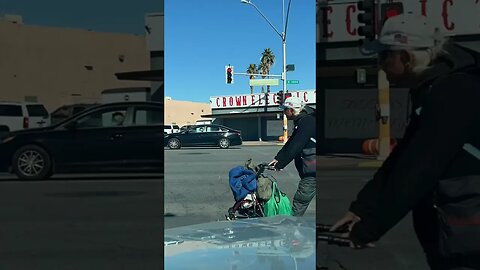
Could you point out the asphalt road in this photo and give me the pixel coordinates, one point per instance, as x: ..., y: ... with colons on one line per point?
x: 81, y: 222
x: 196, y: 182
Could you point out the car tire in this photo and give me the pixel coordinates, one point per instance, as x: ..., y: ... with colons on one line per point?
x: 224, y: 143
x: 174, y: 143
x: 32, y: 162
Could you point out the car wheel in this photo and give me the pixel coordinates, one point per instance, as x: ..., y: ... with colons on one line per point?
x: 224, y: 143
x: 174, y: 143
x: 32, y: 162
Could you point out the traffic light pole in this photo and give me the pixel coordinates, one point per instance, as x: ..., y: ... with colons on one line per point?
x: 283, y: 36
x: 384, y: 102
x: 284, y: 78
x: 384, y: 121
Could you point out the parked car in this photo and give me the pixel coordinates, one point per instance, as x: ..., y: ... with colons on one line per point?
x: 23, y: 115
x: 204, y: 135
x: 67, y: 111
x: 115, y: 137
x: 172, y: 128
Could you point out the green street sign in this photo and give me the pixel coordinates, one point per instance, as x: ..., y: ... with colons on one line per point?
x: 293, y: 81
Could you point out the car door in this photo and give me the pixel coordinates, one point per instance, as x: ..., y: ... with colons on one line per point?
x: 93, y: 140
x: 142, y: 144
x: 194, y: 136
x: 212, y: 135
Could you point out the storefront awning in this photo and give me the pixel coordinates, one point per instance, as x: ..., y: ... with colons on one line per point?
x: 147, y: 75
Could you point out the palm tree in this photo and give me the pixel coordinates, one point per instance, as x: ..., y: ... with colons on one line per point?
x: 252, y: 69
x: 268, y: 58
x: 263, y: 70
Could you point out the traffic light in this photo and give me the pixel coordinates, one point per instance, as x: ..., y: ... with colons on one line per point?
x: 229, y: 74
x: 367, y: 18
x: 279, y: 98
x: 391, y: 10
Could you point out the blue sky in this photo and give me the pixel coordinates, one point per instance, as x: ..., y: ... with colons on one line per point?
x: 201, y: 37
x: 97, y: 15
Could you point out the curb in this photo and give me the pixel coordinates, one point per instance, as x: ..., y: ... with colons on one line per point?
x: 370, y: 164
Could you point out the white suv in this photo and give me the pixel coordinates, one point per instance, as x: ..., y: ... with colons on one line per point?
x: 23, y: 115
x: 169, y: 129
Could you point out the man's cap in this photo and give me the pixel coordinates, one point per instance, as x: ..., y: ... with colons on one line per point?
x: 406, y: 30
x: 292, y: 102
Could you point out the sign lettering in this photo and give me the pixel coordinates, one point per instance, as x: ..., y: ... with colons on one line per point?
x: 258, y: 100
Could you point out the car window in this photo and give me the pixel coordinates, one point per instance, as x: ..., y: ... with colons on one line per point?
x: 11, y: 110
x: 37, y: 110
x: 176, y: 127
x: 197, y: 129
x: 78, y: 109
x: 104, y: 118
x: 148, y: 117
x: 61, y: 112
x: 212, y: 129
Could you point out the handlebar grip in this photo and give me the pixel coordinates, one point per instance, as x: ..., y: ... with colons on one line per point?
x: 334, y: 240
x: 326, y: 228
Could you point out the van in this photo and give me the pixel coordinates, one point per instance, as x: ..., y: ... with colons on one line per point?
x: 23, y: 115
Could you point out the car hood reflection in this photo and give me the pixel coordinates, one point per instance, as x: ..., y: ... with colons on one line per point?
x: 278, y: 242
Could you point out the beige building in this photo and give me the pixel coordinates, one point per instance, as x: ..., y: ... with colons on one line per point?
x: 57, y: 66
x: 184, y: 112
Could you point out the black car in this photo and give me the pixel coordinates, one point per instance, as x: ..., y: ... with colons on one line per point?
x: 204, y: 135
x: 115, y: 137
x: 67, y: 111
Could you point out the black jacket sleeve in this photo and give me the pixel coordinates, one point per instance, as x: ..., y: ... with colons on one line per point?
x: 300, y: 138
x: 447, y: 122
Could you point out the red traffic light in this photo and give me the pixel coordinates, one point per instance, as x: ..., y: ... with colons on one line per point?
x: 392, y: 13
x: 229, y: 70
x: 390, y: 10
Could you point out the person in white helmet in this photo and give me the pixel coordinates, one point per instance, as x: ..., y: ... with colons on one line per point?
x: 301, y: 147
x: 435, y: 170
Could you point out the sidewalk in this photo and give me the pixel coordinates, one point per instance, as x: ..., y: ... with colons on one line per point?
x: 348, y: 161
x: 262, y: 143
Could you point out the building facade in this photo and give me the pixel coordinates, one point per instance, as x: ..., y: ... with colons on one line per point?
x: 257, y: 116
x: 347, y: 81
x: 184, y: 112
x: 57, y: 66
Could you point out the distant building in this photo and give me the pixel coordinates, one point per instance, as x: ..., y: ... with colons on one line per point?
x: 184, y: 112
x: 58, y: 66
x: 257, y: 116
x: 154, y: 23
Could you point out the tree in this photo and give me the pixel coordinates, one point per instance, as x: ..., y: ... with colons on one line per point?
x: 263, y: 70
x: 252, y: 69
x: 268, y: 58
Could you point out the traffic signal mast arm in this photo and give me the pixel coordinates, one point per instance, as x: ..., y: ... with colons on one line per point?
x: 255, y: 74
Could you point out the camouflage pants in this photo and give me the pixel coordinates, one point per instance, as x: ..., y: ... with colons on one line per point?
x: 304, y: 195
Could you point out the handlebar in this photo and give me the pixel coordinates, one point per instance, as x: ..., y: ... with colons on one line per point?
x: 324, y: 234
x: 264, y: 166
x: 326, y: 228
x: 334, y: 240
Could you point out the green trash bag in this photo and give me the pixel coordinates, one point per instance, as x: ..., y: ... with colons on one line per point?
x: 279, y: 204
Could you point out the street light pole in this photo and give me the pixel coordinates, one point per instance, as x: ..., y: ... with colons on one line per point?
x: 283, y: 36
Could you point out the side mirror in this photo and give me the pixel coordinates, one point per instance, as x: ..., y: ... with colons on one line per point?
x: 72, y: 125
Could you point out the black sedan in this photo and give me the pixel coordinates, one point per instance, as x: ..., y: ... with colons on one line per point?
x: 115, y: 137
x: 204, y: 135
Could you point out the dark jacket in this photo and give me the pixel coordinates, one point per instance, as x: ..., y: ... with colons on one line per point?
x: 445, y: 116
x: 300, y: 145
